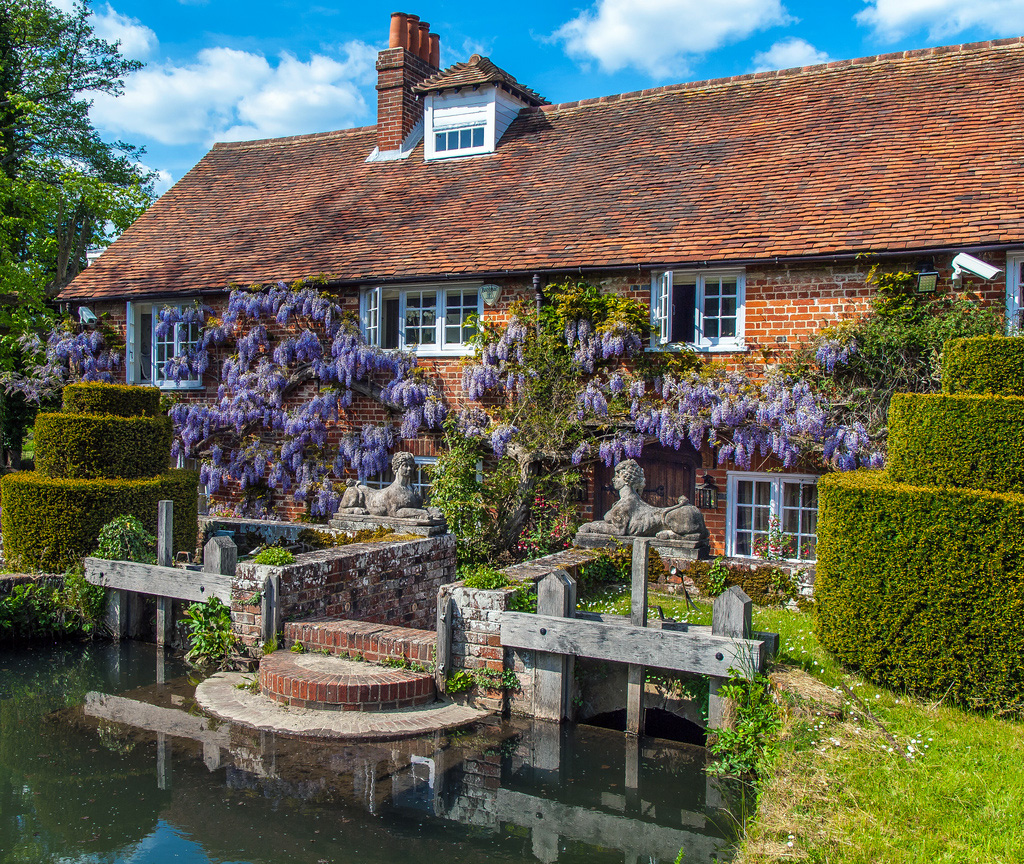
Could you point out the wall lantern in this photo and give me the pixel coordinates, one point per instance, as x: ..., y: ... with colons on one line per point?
x: 706, y: 494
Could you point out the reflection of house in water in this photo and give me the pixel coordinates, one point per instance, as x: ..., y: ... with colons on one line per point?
x: 542, y: 791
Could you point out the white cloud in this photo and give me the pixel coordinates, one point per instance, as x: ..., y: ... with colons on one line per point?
x: 162, y: 180
x: 659, y: 36
x: 893, y: 19
x: 137, y: 40
x: 787, y: 54
x: 227, y: 94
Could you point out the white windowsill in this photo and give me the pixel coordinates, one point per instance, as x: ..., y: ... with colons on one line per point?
x: 679, y: 348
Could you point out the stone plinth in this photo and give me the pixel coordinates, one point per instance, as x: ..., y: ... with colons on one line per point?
x: 683, y: 550
x: 423, y: 527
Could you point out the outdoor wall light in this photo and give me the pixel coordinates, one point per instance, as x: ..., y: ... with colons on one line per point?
x: 706, y: 494
x: 927, y: 280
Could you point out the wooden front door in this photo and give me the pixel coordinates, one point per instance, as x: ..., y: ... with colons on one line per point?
x: 670, y: 473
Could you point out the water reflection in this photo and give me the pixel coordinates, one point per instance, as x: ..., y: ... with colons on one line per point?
x: 101, y: 759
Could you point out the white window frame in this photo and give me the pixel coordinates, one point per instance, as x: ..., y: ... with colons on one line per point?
x: 421, y: 482
x: 1014, y: 286
x: 662, y: 290
x: 774, y: 508
x: 133, y: 372
x: 371, y: 305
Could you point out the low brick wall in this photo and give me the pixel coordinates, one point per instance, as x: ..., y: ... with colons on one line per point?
x: 673, y: 583
x: 385, y: 583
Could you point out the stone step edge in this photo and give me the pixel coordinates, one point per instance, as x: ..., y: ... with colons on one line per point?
x: 283, y: 681
x: 372, y: 642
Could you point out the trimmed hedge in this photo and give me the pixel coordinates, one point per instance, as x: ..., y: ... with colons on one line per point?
x: 923, y: 588
x: 122, y: 400
x: 984, y: 364
x: 961, y: 440
x: 82, y: 446
x: 50, y: 524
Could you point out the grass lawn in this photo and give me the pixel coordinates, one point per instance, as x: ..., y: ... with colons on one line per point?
x: 841, y: 792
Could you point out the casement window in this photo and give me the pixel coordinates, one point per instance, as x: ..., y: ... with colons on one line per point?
x: 702, y: 309
x: 461, y: 140
x: 148, y: 352
x: 429, y: 320
x: 779, y: 510
x: 420, y: 480
x: 1015, y: 293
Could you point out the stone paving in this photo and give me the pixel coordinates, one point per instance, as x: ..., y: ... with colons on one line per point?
x: 220, y: 696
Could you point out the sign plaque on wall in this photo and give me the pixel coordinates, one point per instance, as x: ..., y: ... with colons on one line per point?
x: 490, y: 293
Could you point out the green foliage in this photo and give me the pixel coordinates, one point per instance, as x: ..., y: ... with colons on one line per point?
x: 984, y: 364
x: 210, y: 636
x: 748, y: 747
x: 396, y: 662
x: 957, y: 440
x: 550, y: 528
x: 459, y: 681
x: 464, y: 680
x: 50, y: 523
x: 457, y: 491
x: 72, y: 607
x: 120, y: 400
x: 484, y: 577
x: 297, y: 648
x: 524, y: 598
x: 85, y: 446
x: 125, y: 539
x: 274, y: 556
x: 718, y: 578
x: 609, y: 567
x: 922, y: 589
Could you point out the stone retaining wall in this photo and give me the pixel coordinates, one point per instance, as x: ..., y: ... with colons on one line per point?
x: 386, y: 583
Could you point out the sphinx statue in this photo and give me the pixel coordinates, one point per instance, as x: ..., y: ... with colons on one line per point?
x: 631, y: 516
x: 399, y: 500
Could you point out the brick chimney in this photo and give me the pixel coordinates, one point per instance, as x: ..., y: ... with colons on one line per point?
x: 412, y: 55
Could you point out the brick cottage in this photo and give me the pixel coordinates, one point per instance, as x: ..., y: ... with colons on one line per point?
x: 746, y: 211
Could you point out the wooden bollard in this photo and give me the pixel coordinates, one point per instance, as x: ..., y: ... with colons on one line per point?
x: 638, y: 618
x: 164, y: 558
x: 556, y: 596
x: 731, y: 617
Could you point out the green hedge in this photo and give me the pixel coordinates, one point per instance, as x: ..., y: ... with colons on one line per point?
x: 102, y: 445
x: 957, y: 440
x: 49, y: 524
x: 984, y: 364
x: 923, y: 588
x: 122, y: 400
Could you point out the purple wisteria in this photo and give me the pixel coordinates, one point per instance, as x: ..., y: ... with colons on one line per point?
x: 71, y: 353
x: 297, y: 363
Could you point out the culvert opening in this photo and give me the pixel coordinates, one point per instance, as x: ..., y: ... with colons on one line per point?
x: 658, y: 723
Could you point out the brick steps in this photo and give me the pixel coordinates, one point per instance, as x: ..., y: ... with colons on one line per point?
x: 331, y: 683
x: 373, y: 642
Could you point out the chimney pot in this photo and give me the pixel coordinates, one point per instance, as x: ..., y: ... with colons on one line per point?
x: 396, y: 38
x: 412, y: 34
x: 424, y: 49
x: 435, y: 51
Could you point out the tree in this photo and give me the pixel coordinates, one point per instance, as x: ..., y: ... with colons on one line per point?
x: 63, y: 189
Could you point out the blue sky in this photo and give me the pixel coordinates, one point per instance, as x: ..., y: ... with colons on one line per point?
x: 228, y: 70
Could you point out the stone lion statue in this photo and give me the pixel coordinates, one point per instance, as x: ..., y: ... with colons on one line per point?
x: 631, y: 516
x: 400, y: 499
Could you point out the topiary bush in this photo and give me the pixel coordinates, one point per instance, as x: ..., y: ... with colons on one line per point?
x: 957, y: 440
x: 88, y: 446
x: 122, y: 400
x: 50, y: 523
x: 125, y: 539
x: 922, y: 589
x: 984, y: 364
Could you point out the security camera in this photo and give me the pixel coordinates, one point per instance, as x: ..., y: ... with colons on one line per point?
x: 86, y: 315
x: 974, y: 266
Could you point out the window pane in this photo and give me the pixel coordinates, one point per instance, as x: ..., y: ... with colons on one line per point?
x: 743, y: 544
x: 764, y: 493
x: 439, y: 142
x: 420, y: 317
x: 791, y: 494
x: 453, y: 140
x: 743, y: 518
x: 465, y: 138
x: 791, y: 522
x: 478, y: 136
x: 745, y: 491
x: 711, y: 328
x: 728, y: 307
x: 146, y: 346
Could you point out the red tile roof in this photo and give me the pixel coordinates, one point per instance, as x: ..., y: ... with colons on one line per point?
x: 902, y: 151
x: 478, y: 70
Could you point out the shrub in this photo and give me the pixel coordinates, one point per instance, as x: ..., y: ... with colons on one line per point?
x: 765, y: 584
x: 125, y: 539
x: 957, y: 440
x: 210, y: 636
x: 122, y: 400
x: 50, y: 523
x: 87, y: 446
x: 72, y: 608
x: 484, y: 577
x: 922, y: 589
x: 274, y: 556
x: 984, y: 364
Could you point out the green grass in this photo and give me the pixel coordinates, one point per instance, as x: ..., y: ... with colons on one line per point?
x: 839, y: 791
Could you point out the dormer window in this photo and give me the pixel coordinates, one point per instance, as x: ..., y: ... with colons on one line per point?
x: 468, y: 107
x: 466, y: 138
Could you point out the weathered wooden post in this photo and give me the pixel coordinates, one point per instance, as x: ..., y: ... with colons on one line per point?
x: 731, y: 617
x: 164, y: 558
x: 270, y: 606
x: 638, y: 618
x: 556, y: 596
x: 220, y: 555
x: 443, y: 651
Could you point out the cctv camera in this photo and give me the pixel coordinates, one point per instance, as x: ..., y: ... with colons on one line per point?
x: 86, y: 315
x: 974, y: 266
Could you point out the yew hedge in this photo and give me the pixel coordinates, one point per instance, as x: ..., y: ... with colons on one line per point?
x: 984, y: 364
x: 122, y: 400
x: 82, y: 446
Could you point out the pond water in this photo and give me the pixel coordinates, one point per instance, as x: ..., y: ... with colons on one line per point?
x: 105, y: 758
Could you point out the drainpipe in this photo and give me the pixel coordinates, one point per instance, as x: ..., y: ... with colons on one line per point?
x: 538, y: 296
